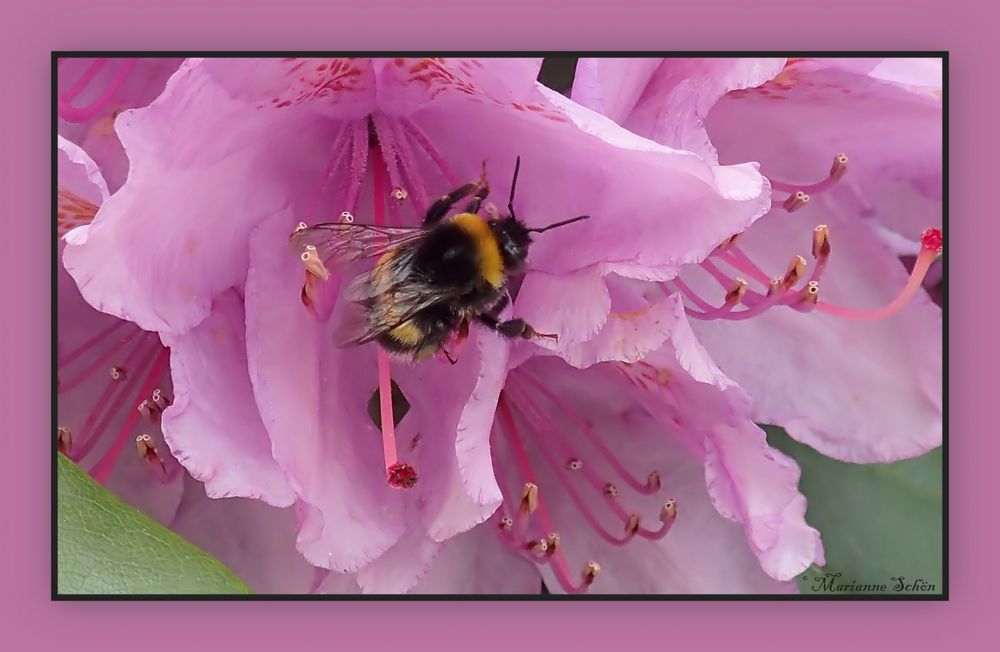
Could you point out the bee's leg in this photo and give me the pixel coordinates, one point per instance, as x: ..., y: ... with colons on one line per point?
x: 440, y: 208
x: 477, y: 200
x: 514, y: 328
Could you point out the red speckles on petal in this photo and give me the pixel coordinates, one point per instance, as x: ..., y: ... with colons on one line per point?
x: 317, y: 79
x: 73, y: 211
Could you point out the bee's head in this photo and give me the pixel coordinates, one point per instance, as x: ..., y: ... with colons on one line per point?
x: 513, y: 238
x: 512, y: 235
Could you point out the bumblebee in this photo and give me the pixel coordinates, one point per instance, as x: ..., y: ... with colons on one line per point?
x: 429, y: 282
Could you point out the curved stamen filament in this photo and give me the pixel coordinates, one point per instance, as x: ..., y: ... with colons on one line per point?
x: 924, y: 261
x: 71, y: 113
x: 592, y: 437
x: 837, y: 171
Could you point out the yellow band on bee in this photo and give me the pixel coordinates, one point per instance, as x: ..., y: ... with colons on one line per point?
x: 490, y: 261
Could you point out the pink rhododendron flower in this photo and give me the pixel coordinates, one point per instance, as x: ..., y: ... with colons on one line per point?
x: 235, y: 153
x: 846, y: 356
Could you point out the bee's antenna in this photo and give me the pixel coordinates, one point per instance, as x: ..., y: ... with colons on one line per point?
x: 558, y: 224
x: 513, y: 186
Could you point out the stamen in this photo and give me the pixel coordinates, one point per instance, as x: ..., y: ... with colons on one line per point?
x: 118, y: 374
x: 669, y: 512
x: 113, y: 399
x: 591, y: 436
x: 807, y: 298
x: 64, y: 440
x: 553, y: 544
x: 506, y: 524
x: 71, y: 113
x: 102, y: 469
x: 590, y: 572
x: 149, y: 410
x: 556, y: 560
x: 837, y: 171
x: 529, y: 499
x: 537, y: 546
x: 160, y: 400
x: 795, y: 201
x: 821, y: 242
x: 314, y: 266
x: 796, y: 268
x: 609, y: 490
x: 574, y: 464
x: 932, y: 244
x: 736, y: 294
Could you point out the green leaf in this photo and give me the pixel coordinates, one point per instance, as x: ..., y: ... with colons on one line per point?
x: 878, y: 521
x: 106, y: 546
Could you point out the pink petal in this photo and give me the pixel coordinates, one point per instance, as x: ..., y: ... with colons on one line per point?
x: 312, y: 397
x: 175, y: 235
x: 478, y: 563
x: 256, y: 541
x: 399, y: 569
x: 213, y: 427
x: 96, y: 135
x: 451, y: 409
x: 598, y: 317
x: 795, y: 125
x: 667, y: 102
x: 612, y: 86
x: 641, y: 196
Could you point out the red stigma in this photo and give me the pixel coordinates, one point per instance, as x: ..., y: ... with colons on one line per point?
x: 932, y: 240
x: 401, y: 475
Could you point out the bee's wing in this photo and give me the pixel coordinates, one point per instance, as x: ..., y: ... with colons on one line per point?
x: 339, y: 243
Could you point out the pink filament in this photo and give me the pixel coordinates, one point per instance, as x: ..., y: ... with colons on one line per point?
x: 421, y: 139
x: 102, y: 469
x: 339, y: 149
x: 809, y: 189
x: 73, y: 114
x: 105, y: 407
x: 83, y: 348
x: 913, y: 284
x: 102, y: 359
x: 591, y: 436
